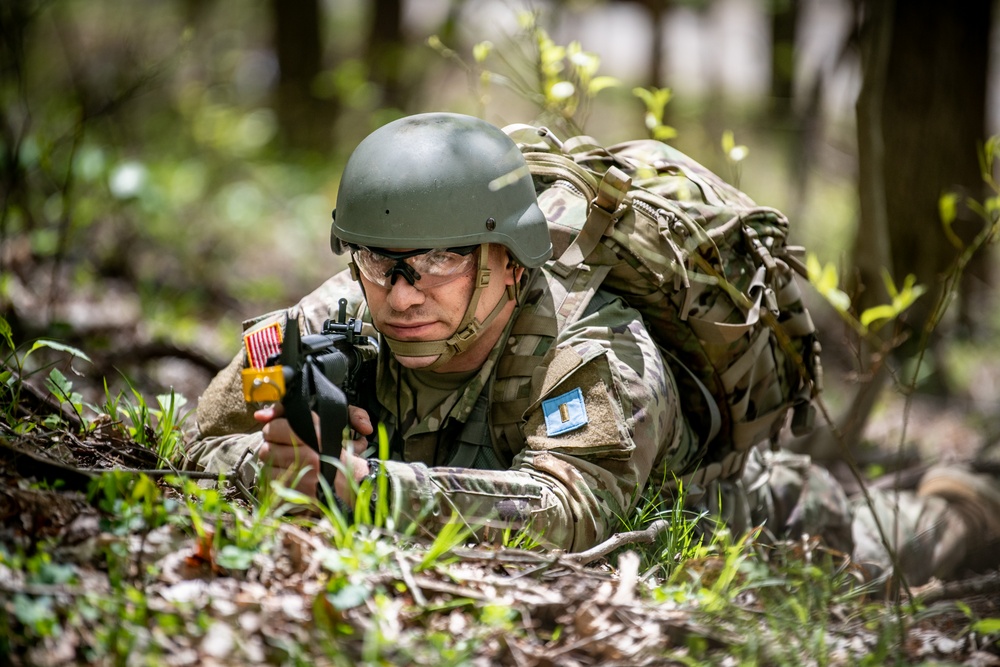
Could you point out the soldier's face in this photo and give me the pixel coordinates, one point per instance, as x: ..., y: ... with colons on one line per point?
x: 408, y: 313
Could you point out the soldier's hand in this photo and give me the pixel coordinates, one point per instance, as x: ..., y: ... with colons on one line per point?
x: 287, y: 454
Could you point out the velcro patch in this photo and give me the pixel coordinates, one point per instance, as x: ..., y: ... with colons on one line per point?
x: 564, y: 413
x: 262, y: 344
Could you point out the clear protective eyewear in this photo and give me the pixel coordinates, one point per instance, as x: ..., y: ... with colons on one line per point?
x: 431, y: 268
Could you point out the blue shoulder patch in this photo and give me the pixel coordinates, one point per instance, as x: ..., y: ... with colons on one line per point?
x: 564, y: 413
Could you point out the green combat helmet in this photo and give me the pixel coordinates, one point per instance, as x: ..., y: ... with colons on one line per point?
x: 441, y: 180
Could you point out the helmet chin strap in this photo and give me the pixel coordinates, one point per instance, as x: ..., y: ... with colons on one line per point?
x: 468, y: 329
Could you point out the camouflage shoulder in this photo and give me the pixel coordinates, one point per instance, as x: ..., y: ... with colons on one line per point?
x: 318, y: 306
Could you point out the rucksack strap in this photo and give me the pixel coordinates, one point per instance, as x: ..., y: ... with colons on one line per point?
x: 604, y: 212
x: 519, y: 378
x: 714, y: 419
x: 509, y: 388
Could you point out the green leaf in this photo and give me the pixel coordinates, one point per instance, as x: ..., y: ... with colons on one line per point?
x: 828, y: 279
x: 481, y: 50
x: 664, y: 133
x: 734, y: 152
x: 875, y: 313
x: 233, y: 557
x: 6, y: 333
x: 825, y: 280
x: 728, y: 142
x: 948, y: 210
x: 59, y: 347
x: 526, y: 19
x: 56, y: 573
x: 170, y: 403
x: 600, y: 83
x: 291, y: 495
x: 992, y: 205
x: 656, y: 100
x: 33, y: 612
x: 902, y: 298
x: 348, y: 597
x: 948, y: 207
x: 644, y: 95
x: 987, y: 626
x: 58, y: 384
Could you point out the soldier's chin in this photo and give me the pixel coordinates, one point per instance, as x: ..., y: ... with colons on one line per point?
x: 416, y: 363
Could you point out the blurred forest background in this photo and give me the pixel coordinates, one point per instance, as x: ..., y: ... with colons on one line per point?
x: 167, y: 168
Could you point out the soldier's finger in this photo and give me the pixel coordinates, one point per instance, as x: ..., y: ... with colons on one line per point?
x: 358, y: 446
x: 280, y: 431
x: 291, y: 456
x: 269, y: 413
x: 359, y: 420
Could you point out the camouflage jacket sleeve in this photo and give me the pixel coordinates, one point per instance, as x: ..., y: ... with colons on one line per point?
x: 608, y: 414
x: 225, y: 427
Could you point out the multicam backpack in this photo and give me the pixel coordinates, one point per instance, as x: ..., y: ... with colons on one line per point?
x: 708, y: 269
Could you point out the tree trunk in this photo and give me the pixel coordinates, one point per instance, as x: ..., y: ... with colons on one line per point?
x: 933, y: 118
x: 305, y: 120
x: 918, y: 139
x: 386, y: 51
x: 784, y: 19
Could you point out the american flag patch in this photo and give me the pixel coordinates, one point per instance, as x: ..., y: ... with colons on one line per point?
x: 262, y: 344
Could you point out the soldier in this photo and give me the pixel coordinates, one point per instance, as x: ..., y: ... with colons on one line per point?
x: 511, y: 401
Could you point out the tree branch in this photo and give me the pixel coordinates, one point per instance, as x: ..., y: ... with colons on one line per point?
x: 647, y: 536
x: 985, y: 584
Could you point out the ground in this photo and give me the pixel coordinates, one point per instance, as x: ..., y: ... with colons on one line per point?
x: 154, y: 570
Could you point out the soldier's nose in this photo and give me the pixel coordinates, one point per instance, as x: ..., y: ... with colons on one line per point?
x: 403, y: 295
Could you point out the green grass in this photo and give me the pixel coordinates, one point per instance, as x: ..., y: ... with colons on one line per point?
x: 353, y: 590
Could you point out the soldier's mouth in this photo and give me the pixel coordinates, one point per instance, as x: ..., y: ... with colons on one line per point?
x: 408, y: 330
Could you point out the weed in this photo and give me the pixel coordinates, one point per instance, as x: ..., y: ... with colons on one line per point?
x: 156, y: 428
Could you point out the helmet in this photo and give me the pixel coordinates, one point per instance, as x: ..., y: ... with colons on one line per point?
x: 440, y: 180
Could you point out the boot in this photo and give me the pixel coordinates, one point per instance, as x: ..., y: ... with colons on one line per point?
x: 973, y: 499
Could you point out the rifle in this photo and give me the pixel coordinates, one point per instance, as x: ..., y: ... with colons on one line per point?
x: 322, y: 373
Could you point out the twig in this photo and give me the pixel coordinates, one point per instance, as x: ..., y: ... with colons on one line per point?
x: 154, y: 472
x: 430, y: 584
x: 28, y: 465
x: 647, y: 536
x: 984, y: 584
x: 407, y: 574
x: 238, y: 482
x: 40, y: 590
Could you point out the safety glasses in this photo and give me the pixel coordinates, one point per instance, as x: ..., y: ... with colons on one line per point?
x: 432, y: 268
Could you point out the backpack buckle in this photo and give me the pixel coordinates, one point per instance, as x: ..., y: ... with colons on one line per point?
x: 759, y: 250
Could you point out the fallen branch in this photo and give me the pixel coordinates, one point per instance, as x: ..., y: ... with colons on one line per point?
x: 647, y: 536
x: 985, y: 584
x: 30, y: 465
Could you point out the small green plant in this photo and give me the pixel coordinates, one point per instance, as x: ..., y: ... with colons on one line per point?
x: 520, y: 538
x: 988, y: 628
x: 826, y: 281
x: 735, y: 155
x: 449, y: 536
x: 14, y: 367
x: 682, y: 537
x: 156, y: 428
x: 656, y: 100
x: 561, y: 81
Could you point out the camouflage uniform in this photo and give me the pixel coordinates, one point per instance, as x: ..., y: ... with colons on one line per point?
x: 575, y: 411
x: 568, y: 487
x: 571, y: 488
